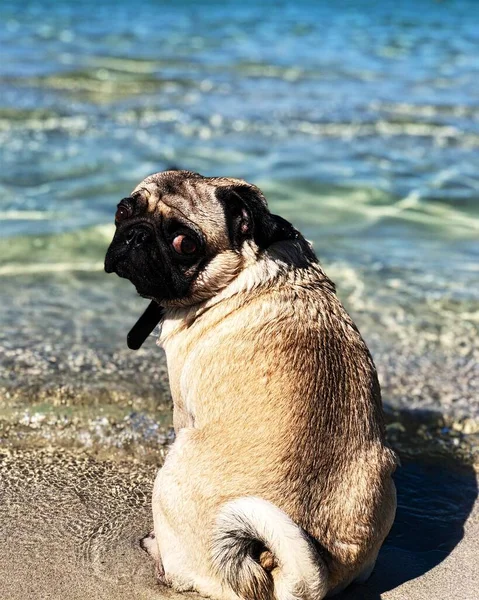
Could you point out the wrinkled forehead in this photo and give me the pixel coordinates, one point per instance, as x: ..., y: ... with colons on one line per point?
x: 188, y: 199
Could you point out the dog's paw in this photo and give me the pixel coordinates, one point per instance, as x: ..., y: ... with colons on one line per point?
x: 149, y: 545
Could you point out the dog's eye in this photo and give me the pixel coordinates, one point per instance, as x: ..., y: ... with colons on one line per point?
x: 184, y: 244
x: 122, y: 212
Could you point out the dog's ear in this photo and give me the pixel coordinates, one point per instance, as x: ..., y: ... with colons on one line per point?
x: 248, y: 217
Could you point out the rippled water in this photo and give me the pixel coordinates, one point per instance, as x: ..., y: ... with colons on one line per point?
x: 360, y: 120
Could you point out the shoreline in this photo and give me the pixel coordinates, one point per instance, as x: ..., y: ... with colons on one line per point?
x: 108, y: 422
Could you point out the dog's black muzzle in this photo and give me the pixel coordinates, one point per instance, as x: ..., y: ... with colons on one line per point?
x: 125, y: 242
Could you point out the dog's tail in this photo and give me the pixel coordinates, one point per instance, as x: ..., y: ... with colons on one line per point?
x: 261, y: 554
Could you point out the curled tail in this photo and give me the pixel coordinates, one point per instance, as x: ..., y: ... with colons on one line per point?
x: 261, y: 554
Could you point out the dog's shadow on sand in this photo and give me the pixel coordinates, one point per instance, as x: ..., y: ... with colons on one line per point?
x: 434, y: 502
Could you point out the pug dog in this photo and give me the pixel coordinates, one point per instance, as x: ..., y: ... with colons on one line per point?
x: 278, y: 485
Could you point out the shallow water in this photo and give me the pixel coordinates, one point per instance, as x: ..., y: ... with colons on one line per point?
x: 359, y: 120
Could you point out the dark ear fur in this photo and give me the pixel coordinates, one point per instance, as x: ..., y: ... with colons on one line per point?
x: 247, y: 217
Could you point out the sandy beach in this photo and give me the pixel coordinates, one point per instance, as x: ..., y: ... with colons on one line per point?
x: 70, y: 528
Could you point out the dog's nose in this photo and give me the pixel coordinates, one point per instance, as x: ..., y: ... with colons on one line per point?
x: 137, y: 236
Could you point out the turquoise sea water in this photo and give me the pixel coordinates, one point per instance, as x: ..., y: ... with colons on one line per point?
x: 359, y: 120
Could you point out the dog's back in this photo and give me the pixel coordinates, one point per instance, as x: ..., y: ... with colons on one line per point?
x: 285, y: 404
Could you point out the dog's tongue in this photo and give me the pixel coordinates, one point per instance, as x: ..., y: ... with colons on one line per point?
x: 145, y: 325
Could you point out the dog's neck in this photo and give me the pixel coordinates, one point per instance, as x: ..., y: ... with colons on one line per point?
x: 271, y: 268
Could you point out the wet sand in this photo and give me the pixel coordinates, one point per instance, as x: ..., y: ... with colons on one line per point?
x: 70, y: 527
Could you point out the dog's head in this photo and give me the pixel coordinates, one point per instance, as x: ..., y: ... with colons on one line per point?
x: 181, y: 238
